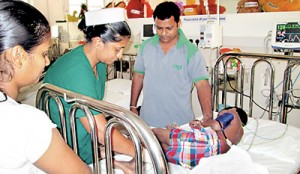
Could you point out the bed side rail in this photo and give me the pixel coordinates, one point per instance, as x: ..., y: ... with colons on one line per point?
x: 258, y: 58
x: 138, y: 130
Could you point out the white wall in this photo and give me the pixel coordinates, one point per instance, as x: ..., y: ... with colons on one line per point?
x: 54, y: 10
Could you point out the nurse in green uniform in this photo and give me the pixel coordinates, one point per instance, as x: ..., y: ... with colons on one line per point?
x: 83, y: 70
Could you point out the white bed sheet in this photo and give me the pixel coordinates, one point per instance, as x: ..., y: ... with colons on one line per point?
x: 274, y: 145
x: 117, y: 91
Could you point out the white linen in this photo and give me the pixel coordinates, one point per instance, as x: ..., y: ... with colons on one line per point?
x: 117, y: 91
x: 121, y: 86
x: 235, y: 161
x: 275, y: 145
x: 147, y: 168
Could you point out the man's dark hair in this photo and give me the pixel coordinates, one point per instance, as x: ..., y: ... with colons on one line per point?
x: 165, y: 10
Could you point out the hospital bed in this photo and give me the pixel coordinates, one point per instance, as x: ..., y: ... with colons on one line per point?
x: 267, y: 146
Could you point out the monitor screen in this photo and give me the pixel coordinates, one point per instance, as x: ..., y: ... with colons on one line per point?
x: 286, y: 36
x: 147, y: 31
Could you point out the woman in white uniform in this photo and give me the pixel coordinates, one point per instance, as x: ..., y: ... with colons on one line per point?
x: 30, y: 142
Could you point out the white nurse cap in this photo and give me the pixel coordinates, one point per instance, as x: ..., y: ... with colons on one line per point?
x: 104, y: 16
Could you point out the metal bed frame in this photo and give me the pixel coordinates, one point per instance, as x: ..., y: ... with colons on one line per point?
x: 138, y: 131
x: 292, y: 61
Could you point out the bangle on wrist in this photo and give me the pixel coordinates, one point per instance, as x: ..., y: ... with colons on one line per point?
x: 134, y: 107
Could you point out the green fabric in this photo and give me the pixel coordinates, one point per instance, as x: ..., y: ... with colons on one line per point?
x: 73, y: 72
x: 183, y: 41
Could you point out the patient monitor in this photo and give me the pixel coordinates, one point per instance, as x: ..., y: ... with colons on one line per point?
x: 148, y: 31
x: 286, y: 36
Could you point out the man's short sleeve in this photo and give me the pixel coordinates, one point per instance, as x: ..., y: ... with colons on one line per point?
x: 139, y: 63
x: 197, y: 68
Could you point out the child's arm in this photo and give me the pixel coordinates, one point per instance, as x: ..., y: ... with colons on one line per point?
x: 197, y: 124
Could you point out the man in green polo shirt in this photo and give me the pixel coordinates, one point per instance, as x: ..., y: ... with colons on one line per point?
x: 166, y: 67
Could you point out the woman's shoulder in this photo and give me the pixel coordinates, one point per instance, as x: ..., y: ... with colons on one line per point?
x: 23, y: 114
x: 24, y: 128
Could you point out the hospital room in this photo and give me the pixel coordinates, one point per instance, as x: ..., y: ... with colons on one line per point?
x: 154, y: 86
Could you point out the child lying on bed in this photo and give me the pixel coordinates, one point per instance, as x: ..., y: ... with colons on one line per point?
x: 215, y: 137
x: 204, y: 140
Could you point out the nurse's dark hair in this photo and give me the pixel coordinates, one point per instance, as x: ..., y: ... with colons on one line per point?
x: 243, y: 115
x: 112, y: 32
x: 20, y: 25
x: 165, y: 10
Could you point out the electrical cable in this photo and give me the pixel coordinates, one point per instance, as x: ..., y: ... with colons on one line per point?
x: 235, y: 90
x: 259, y: 136
x: 267, y: 39
x: 264, y: 109
x: 108, y: 73
x: 292, y: 92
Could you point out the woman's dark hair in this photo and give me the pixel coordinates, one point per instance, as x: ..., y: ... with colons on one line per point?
x: 243, y: 115
x: 21, y: 24
x: 165, y: 10
x: 112, y: 32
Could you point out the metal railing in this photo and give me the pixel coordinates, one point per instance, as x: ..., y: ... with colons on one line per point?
x: 139, y: 132
x: 222, y: 61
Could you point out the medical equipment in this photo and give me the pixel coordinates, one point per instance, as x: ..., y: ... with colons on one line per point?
x: 286, y: 36
x: 211, y: 32
x: 148, y: 31
x: 210, y: 35
x: 225, y: 119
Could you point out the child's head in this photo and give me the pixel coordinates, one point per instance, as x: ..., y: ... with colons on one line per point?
x: 242, y: 114
x: 234, y: 130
